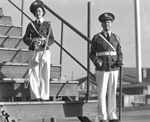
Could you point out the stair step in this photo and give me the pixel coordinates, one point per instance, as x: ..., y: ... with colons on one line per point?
x: 12, y: 80
x: 1, y: 12
x: 20, y: 70
x: 10, y: 30
x: 13, y: 55
x: 12, y: 42
x: 57, y: 88
x: 14, y: 70
x: 23, y: 80
x: 5, y: 20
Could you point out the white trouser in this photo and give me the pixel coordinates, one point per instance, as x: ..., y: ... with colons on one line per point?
x: 39, y: 75
x: 106, y: 83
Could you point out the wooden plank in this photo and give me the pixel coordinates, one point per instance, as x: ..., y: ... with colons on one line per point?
x: 13, y: 70
x: 13, y: 55
x: 12, y: 42
x: 20, y: 70
x: 36, y: 111
x: 5, y: 20
x: 130, y: 114
x: 59, y: 89
x: 10, y: 30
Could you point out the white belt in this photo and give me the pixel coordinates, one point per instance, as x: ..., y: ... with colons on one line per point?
x: 106, y: 53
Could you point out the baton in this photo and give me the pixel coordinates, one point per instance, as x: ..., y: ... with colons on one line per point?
x: 120, y: 94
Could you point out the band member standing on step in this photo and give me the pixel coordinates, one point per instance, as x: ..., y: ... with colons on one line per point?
x: 39, y: 37
x: 107, y: 57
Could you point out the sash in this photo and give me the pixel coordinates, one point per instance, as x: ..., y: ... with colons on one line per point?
x: 107, y: 41
x: 40, y: 34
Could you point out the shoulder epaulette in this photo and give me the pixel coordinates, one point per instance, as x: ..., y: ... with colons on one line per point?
x: 117, y: 37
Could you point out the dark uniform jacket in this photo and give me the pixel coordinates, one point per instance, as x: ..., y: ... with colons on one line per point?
x: 43, y: 29
x: 100, y: 45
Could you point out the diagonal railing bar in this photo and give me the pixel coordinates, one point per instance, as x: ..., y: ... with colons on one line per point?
x: 20, y: 10
x: 76, y: 61
x: 8, y: 30
x: 69, y: 25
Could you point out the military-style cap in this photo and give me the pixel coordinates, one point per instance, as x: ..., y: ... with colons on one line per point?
x: 35, y: 5
x: 106, y: 16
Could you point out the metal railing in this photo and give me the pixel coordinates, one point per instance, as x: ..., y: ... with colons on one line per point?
x: 60, y: 45
x: 77, y: 32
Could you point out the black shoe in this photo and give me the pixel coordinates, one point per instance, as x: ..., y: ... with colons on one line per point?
x: 43, y: 100
x: 114, y: 120
x: 103, y: 121
x: 35, y: 100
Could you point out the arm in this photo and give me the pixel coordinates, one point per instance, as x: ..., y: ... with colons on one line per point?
x: 93, y: 50
x: 27, y: 39
x: 119, y: 55
x: 96, y: 61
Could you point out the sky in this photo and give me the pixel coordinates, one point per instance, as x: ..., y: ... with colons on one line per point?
x: 75, y: 12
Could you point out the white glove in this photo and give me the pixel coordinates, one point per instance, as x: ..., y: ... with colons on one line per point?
x: 37, y: 43
x: 42, y: 40
x: 99, y: 62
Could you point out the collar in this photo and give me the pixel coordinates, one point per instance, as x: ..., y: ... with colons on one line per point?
x: 105, y: 33
x: 41, y: 20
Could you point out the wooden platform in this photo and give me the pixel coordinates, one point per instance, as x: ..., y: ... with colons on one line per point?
x: 17, y: 92
x: 37, y: 111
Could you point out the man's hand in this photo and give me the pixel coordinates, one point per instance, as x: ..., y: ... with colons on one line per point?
x: 119, y: 63
x: 98, y: 62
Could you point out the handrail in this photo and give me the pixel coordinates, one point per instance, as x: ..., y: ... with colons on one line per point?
x: 76, y: 61
x: 69, y: 25
x: 20, y: 10
x: 73, y: 28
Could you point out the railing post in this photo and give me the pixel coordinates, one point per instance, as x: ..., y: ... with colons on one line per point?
x: 22, y: 8
x: 120, y: 94
x: 62, y: 28
x: 88, y: 48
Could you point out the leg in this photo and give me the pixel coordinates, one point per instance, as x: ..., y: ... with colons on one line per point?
x: 45, y: 77
x: 102, y: 81
x: 112, y: 87
x: 33, y: 77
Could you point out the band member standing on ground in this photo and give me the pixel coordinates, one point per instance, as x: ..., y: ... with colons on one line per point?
x: 39, y: 37
x: 107, y: 57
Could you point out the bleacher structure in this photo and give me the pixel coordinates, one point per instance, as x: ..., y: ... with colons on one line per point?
x: 66, y: 100
x: 15, y: 104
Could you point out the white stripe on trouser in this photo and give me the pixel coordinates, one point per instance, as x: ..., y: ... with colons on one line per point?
x: 39, y: 75
x: 106, y: 83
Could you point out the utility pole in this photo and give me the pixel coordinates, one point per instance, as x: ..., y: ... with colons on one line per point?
x: 138, y: 41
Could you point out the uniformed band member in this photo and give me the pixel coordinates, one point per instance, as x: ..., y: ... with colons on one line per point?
x: 107, y: 57
x: 39, y: 37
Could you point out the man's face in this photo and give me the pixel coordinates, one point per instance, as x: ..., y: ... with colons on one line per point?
x: 39, y: 13
x: 107, y: 25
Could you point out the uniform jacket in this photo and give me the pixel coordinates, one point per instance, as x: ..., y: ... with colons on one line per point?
x: 100, y: 45
x: 43, y: 29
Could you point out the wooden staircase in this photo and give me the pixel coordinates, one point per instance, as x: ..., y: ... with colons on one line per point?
x: 14, y: 65
x: 15, y: 98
